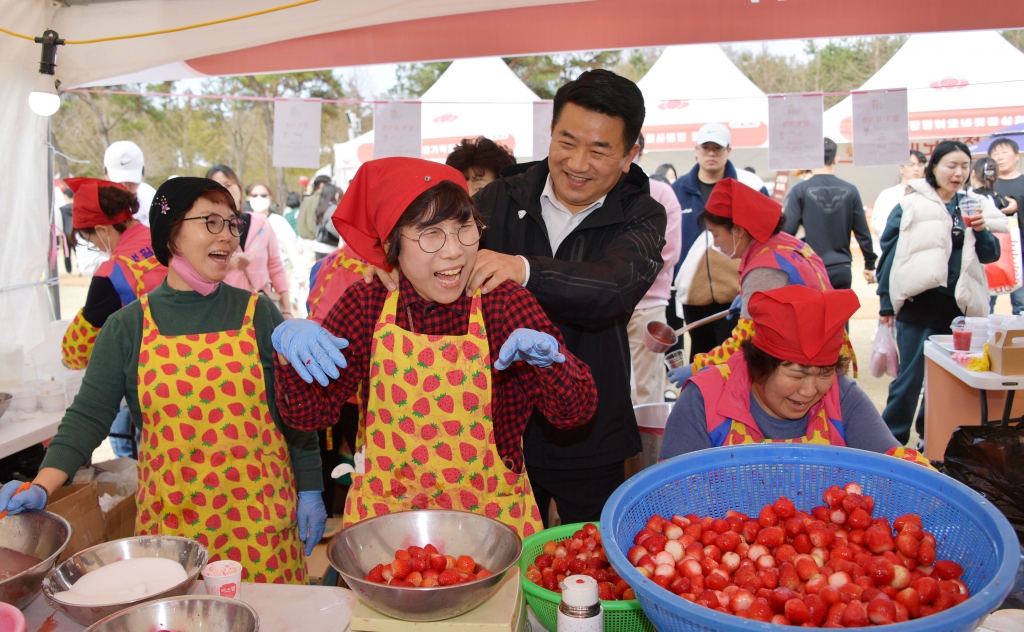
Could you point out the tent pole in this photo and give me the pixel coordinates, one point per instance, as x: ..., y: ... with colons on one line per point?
x: 51, y: 269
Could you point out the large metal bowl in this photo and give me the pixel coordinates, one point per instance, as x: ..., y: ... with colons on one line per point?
x: 189, y: 553
x: 357, y: 549
x: 37, y: 533
x: 183, y: 614
x: 5, y: 402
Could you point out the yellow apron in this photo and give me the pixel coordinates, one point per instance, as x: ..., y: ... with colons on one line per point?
x: 80, y: 337
x: 428, y: 432
x: 213, y: 465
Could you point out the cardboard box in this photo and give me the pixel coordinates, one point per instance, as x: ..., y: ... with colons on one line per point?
x: 317, y: 566
x: 1006, y: 353
x: 79, y: 505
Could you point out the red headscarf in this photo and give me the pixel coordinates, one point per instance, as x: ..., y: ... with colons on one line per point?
x: 381, y: 191
x: 86, y: 211
x: 747, y: 208
x: 802, y: 325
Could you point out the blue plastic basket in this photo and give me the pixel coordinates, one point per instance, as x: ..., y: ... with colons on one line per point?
x: 967, y: 528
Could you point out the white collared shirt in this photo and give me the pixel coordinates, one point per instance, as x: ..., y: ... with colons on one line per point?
x: 558, y: 219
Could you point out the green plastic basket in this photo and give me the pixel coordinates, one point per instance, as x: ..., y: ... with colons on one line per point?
x: 619, y: 616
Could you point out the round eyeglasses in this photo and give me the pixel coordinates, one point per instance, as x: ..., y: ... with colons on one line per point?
x: 215, y: 223
x: 433, y: 239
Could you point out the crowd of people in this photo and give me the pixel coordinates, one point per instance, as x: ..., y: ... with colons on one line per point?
x: 472, y: 334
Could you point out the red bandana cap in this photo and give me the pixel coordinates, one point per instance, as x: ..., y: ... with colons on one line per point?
x: 376, y: 198
x: 86, y: 211
x: 747, y: 208
x: 802, y: 325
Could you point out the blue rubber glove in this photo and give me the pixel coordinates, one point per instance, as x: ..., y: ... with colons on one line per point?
x: 312, y: 517
x: 311, y: 349
x: 736, y: 307
x: 680, y: 375
x: 533, y: 347
x: 32, y: 498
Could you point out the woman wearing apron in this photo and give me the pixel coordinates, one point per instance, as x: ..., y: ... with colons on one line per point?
x: 193, y: 358
x: 444, y: 408
x: 786, y: 383
x: 102, y: 215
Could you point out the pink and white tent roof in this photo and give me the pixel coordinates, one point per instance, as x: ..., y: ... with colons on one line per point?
x: 692, y: 85
x: 474, y: 97
x: 958, y: 85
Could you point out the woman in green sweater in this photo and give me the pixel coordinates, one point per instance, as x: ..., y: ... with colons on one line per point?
x: 194, y: 361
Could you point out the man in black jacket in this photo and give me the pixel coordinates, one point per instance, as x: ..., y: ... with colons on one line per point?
x: 581, y: 231
x: 830, y: 209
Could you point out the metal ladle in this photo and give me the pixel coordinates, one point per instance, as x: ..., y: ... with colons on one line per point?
x: 659, y: 337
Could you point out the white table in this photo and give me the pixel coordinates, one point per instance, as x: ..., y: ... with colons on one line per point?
x: 16, y: 436
x: 954, y: 397
x: 292, y: 608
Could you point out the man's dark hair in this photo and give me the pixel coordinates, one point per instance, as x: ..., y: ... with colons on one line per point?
x: 919, y: 155
x: 761, y: 365
x: 830, y: 152
x: 320, y: 181
x: 1009, y: 142
x: 607, y: 93
x: 293, y: 199
x: 941, y: 151
x: 750, y: 169
x: 479, y: 153
x: 640, y: 141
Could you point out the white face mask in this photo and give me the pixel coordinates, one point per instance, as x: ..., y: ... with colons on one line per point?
x: 735, y: 242
x: 259, y: 204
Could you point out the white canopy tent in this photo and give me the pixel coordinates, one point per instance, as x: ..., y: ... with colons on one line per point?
x: 474, y: 97
x: 692, y: 85
x: 965, y: 84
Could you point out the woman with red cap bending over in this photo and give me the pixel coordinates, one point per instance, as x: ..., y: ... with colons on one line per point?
x: 786, y: 383
x: 747, y: 226
x: 102, y: 215
x: 448, y: 382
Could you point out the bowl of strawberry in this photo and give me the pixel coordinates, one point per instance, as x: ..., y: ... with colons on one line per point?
x: 815, y: 536
x: 551, y: 555
x: 424, y: 565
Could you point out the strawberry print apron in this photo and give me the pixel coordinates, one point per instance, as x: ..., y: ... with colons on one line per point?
x: 213, y: 465
x: 428, y: 432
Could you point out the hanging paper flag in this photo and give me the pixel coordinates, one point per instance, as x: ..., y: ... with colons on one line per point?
x: 881, y: 135
x: 297, y: 134
x: 795, y: 137
x: 396, y: 129
x: 543, y: 111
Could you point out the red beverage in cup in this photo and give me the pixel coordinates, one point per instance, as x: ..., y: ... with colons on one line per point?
x: 962, y: 340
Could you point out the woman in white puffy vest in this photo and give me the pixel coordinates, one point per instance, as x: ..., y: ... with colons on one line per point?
x: 931, y: 270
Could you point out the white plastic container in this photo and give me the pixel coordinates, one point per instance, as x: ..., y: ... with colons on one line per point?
x: 25, y: 400
x: 580, y: 610
x: 223, y: 578
x: 52, y: 398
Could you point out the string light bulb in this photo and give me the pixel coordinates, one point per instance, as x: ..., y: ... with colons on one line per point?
x: 44, y: 99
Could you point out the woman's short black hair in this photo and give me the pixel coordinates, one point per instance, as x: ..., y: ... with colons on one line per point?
x: 761, y: 365
x: 704, y: 218
x: 663, y: 169
x: 228, y: 173
x: 479, y: 153
x: 607, y: 93
x: 437, y: 204
x: 293, y: 199
x: 921, y: 158
x: 941, y: 150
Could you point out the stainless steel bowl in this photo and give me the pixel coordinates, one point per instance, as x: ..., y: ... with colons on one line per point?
x: 183, y: 614
x: 189, y: 553
x: 5, y: 402
x: 357, y: 549
x: 37, y: 533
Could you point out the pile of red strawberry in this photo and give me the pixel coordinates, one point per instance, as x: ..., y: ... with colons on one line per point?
x: 837, y: 567
x: 425, y: 567
x: 582, y: 554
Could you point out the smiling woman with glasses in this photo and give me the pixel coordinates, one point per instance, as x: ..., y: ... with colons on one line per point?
x: 193, y: 359
x: 462, y: 374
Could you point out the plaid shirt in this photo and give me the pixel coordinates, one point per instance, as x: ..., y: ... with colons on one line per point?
x: 564, y: 392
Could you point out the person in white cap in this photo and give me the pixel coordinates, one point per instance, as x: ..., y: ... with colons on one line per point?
x: 706, y: 281
x: 122, y: 163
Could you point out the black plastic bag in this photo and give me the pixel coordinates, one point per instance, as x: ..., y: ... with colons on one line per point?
x: 990, y: 460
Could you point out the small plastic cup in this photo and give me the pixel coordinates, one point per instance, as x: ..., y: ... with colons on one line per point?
x: 675, y: 359
x: 223, y: 578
